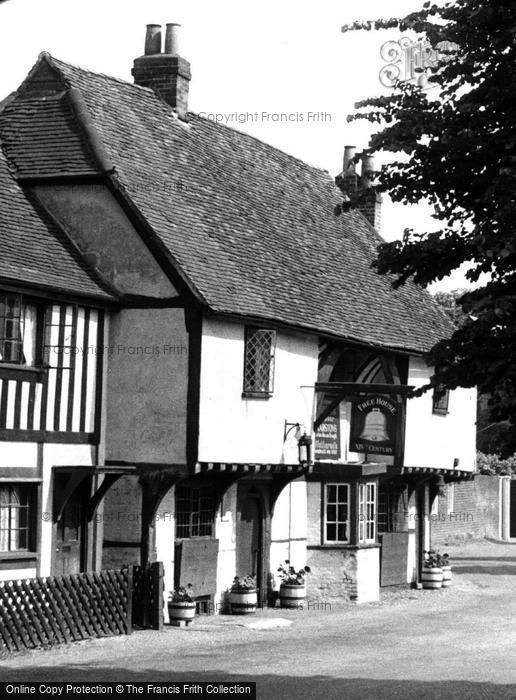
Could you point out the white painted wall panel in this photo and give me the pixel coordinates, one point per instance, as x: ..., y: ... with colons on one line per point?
x: 434, y: 440
x: 236, y: 429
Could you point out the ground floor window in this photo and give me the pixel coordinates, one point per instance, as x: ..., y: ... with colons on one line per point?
x: 367, y: 512
x: 195, y: 506
x: 336, y: 526
x: 15, y: 503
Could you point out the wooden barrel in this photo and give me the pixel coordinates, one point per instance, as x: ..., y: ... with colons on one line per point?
x: 292, y: 595
x: 447, y: 576
x: 431, y: 577
x: 243, y: 603
x: 181, y: 611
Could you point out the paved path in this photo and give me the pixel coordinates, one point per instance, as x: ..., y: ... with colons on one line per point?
x: 457, y: 643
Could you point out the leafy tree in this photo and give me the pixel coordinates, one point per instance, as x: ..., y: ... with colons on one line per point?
x: 458, y: 146
x: 493, y: 437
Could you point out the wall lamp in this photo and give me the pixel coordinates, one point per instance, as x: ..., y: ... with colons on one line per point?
x: 304, y: 442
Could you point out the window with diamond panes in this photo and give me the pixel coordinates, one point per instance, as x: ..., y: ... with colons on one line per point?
x: 259, y: 361
x: 336, y: 527
x: 194, y: 511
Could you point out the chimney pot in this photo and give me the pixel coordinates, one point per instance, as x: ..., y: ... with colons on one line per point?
x: 168, y: 74
x: 153, y: 39
x: 367, y: 169
x: 172, y: 39
x: 349, y: 154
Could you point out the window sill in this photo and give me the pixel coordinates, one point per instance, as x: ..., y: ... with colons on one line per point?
x: 256, y: 395
x: 23, y: 368
x: 21, y: 372
x: 338, y: 545
x: 437, y: 412
x: 6, y: 556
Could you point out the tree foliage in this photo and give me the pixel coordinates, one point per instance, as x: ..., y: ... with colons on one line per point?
x: 455, y: 147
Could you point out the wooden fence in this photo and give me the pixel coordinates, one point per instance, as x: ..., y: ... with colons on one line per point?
x: 43, y: 612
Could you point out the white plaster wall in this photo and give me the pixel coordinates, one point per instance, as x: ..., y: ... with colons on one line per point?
x: 225, y: 532
x: 411, y: 554
x: 435, y: 440
x: 368, y: 575
x: 164, y: 525
x: 18, y: 454
x: 289, y: 528
x: 235, y: 429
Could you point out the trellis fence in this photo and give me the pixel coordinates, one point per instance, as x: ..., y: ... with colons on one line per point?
x: 44, y: 612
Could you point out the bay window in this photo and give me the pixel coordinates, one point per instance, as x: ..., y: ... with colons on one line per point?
x: 337, y: 507
x: 367, y: 512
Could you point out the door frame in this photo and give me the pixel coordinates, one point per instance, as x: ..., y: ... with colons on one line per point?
x: 84, y: 489
x: 256, y: 492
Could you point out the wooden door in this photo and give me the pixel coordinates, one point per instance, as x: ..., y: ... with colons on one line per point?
x: 249, y: 538
x: 68, y: 554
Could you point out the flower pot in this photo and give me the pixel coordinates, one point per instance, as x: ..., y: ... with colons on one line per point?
x: 244, y: 602
x: 447, y: 576
x: 181, y: 611
x: 431, y: 577
x: 292, y: 595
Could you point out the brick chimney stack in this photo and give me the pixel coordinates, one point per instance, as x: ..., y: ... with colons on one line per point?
x: 358, y: 188
x: 168, y: 74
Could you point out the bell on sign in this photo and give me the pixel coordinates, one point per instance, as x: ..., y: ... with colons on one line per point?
x: 375, y: 427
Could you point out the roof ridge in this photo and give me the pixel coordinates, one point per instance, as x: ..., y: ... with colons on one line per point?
x: 58, y: 62
x: 150, y: 91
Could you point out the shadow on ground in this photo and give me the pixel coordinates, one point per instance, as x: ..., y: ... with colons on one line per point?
x: 274, y: 686
x: 501, y: 559
x: 494, y: 570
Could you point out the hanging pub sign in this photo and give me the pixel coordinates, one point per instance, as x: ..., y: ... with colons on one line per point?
x: 327, y: 437
x: 373, y: 425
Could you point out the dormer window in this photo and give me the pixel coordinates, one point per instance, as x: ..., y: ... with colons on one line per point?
x: 260, y: 345
x: 18, y: 330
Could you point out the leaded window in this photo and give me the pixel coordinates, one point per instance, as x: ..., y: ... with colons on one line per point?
x: 259, y: 361
x: 195, y: 508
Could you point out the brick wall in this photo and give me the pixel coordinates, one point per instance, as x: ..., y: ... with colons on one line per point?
x: 338, y: 573
x: 333, y: 574
x: 468, y: 510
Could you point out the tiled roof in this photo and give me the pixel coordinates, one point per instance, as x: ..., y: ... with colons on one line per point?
x: 253, y: 229
x: 40, y: 136
x: 33, y: 251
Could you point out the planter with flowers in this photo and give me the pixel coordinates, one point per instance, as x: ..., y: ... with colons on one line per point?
x: 181, y: 605
x: 432, y: 570
x: 293, y: 585
x: 243, y: 596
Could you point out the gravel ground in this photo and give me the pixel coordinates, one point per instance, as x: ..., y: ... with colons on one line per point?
x: 455, y: 643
